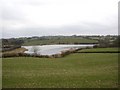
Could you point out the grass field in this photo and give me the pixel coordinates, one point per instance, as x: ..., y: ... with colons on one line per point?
x: 66, y: 40
x: 80, y: 70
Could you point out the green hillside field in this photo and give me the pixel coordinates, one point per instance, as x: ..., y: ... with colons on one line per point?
x: 79, y: 70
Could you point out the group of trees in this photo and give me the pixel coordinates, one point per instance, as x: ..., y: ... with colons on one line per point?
x: 10, y: 44
x: 117, y: 42
x: 108, y: 42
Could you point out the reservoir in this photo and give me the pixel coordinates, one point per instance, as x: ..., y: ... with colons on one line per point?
x: 53, y: 49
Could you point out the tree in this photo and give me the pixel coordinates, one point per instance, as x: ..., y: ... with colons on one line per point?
x: 35, y: 50
x: 116, y: 42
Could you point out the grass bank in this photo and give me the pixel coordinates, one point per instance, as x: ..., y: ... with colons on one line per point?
x: 100, y: 50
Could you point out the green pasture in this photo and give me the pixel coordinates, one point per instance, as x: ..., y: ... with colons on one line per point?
x: 79, y: 70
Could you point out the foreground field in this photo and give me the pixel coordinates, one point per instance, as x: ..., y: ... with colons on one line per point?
x: 73, y: 71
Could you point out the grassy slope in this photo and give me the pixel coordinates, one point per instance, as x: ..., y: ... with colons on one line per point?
x: 18, y: 50
x: 75, y: 70
x: 0, y: 73
x: 99, y: 50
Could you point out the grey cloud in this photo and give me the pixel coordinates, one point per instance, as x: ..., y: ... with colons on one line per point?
x: 91, y: 28
x: 12, y: 13
x: 119, y: 17
x: 88, y: 28
x: 33, y: 2
x: 16, y: 13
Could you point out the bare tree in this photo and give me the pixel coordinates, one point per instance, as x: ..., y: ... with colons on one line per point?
x: 35, y: 50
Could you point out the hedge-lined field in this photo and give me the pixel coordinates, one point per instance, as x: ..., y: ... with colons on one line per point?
x: 67, y: 40
x: 79, y: 70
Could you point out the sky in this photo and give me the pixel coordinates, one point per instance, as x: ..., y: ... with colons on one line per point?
x: 24, y: 18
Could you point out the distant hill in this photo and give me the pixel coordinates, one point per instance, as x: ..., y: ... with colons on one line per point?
x: 103, y: 41
x: 59, y: 40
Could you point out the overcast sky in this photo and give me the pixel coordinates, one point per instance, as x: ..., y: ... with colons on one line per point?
x: 58, y: 17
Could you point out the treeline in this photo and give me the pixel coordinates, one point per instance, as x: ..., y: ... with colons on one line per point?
x: 10, y: 44
x: 12, y: 41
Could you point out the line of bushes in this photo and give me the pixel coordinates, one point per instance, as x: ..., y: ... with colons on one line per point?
x: 62, y: 54
x: 5, y: 55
